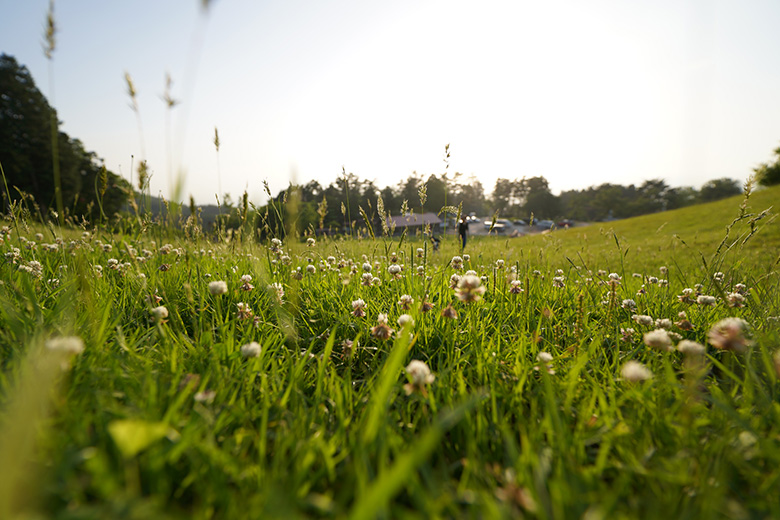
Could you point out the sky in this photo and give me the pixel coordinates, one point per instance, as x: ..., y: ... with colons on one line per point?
x: 582, y: 93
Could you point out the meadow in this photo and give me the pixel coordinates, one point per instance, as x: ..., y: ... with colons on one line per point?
x: 622, y: 370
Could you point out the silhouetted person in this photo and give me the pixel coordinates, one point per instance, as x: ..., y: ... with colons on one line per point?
x: 463, y: 231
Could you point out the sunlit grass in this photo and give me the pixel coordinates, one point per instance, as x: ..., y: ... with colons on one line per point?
x: 528, y: 411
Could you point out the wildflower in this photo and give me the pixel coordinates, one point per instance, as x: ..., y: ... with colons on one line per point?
x: 394, y: 270
x: 366, y: 279
x: 218, y: 287
x: 469, y: 289
x: 558, y: 281
x: 366, y: 267
x: 250, y: 350
x: 297, y: 273
x: 420, y: 252
x: 545, y: 358
x: 205, y: 396
x: 642, y: 319
x: 426, y: 306
x: 449, y: 312
x: 704, y: 299
x: 735, y: 299
x: 514, y: 287
x: 658, y: 339
x: 627, y: 334
x: 663, y: 323
x: 405, y: 302
x: 685, y: 297
x: 454, y: 281
x: 653, y: 280
x: 729, y: 334
x: 160, y: 314
x: 634, y: 372
x: 71, y: 345
x: 663, y: 270
x: 467, y: 258
x: 381, y: 330
x: 311, y: 269
x: 246, y: 285
x: 628, y: 304
x: 244, y: 311
x: 358, y: 308
x: 419, y: 376
x: 405, y: 319
x: 691, y: 348
x: 499, y: 264
x: 457, y: 263
x: 310, y: 242
x: 718, y: 276
x: 277, y: 290
x: 420, y: 270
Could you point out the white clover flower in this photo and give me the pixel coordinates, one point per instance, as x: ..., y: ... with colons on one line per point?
x: 160, y: 313
x: 499, y: 264
x: 470, y: 288
x: 419, y: 373
x: 382, y: 318
x: 405, y: 319
x: 730, y: 334
x: 544, y: 357
x: 663, y: 323
x: 358, y: 308
x: 405, y: 302
x: 467, y: 258
x: 250, y: 350
x: 218, y: 287
x: 642, y: 319
x: 311, y: 269
x: 691, y: 348
x: 394, y: 270
x: 658, y: 339
x: 420, y: 252
x: 310, y: 242
x: 634, y: 372
x: 628, y: 304
x: 704, y: 299
x: 366, y: 267
x: 71, y: 345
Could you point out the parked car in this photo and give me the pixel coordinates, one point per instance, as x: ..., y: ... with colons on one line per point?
x: 544, y: 224
x: 520, y: 222
x: 500, y: 226
x: 565, y: 223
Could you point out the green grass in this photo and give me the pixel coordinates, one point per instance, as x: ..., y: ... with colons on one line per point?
x: 310, y: 428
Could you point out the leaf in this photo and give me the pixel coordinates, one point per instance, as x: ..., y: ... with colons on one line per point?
x: 132, y: 436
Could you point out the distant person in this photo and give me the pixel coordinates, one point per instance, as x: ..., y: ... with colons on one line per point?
x: 463, y: 231
x: 435, y: 241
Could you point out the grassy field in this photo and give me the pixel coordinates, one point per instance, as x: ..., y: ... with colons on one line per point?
x: 587, y: 373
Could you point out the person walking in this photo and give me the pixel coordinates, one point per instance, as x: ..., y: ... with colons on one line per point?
x: 463, y: 231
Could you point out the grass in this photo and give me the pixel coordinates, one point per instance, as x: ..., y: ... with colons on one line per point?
x: 165, y: 418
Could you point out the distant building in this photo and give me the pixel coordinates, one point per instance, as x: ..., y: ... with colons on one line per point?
x: 414, y: 222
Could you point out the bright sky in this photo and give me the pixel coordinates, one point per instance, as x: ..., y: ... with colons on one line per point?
x: 580, y: 92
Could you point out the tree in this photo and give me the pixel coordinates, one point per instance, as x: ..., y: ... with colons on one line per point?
x: 717, y: 189
x: 769, y: 174
x: 26, y: 150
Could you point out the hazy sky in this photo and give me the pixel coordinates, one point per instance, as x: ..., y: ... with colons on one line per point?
x: 580, y: 92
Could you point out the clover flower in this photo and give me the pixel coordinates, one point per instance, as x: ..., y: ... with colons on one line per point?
x: 627, y: 334
x: 366, y: 267
x: 643, y: 319
x: 244, y: 311
x: 691, y: 348
x: 311, y: 269
x: 381, y: 330
x: 250, y: 350
x: 730, y: 334
x: 499, y: 264
x: 358, y: 308
x: 663, y: 323
x: 514, y: 287
x: 310, y: 242
x: 658, y: 339
x: 704, y: 299
x: 635, y: 372
x: 686, y: 296
x: 160, y: 314
x: 545, y: 358
x: 454, y: 281
x: 628, y: 304
x: 420, y: 252
x: 419, y: 376
x: 559, y: 281
x: 735, y: 299
x: 405, y: 302
x: 70, y: 345
x: 449, y: 312
x: 278, y: 291
x: 405, y: 319
x: 218, y: 287
x: 470, y: 289
x: 457, y: 263
x: 394, y: 270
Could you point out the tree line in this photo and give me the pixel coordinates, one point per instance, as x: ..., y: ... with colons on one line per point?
x: 91, y: 191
